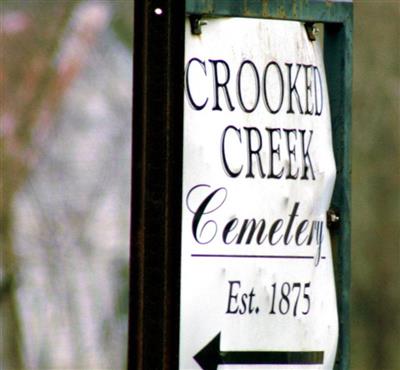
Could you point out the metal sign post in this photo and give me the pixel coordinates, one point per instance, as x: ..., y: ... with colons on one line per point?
x: 235, y: 144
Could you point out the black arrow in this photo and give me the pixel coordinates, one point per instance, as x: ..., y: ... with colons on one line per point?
x: 211, y: 356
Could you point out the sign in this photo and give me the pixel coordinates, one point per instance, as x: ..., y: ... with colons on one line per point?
x: 257, y: 282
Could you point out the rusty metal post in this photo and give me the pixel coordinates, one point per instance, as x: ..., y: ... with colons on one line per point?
x: 156, y: 184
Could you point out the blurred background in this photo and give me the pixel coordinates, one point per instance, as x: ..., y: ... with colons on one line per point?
x: 65, y: 135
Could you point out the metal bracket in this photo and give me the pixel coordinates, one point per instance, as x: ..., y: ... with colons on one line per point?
x: 311, y: 31
x: 196, y: 23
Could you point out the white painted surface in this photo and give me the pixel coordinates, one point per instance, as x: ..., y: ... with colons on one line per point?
x: 210, y: 293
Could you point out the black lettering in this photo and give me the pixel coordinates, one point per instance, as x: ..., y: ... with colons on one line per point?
x: 253, y: 151
x: 251, y: 296
x: 307, y: 164
x: 227, y: 169
x: 265, y: 89
x: 189, y: 94
x: 291, y: 153
x: 252, y: 225
x: 309, y: 110
x: 293, y: 88
x: 218, y: 84
x: 274, y: 152
x: 318, y: 109
x: 301, y: 227
x: 313, y: 229
x: 232, y: 297
x: 203, y: 209
x: 239, y: 86
x: 319, y: 232
x: 244, y: 305
x: 275, y: 227
x: 287, y: 238
x: 230, y: 226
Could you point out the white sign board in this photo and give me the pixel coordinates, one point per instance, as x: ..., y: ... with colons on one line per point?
x: 257, y: 282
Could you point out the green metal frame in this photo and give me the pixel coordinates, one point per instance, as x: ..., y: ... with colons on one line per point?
x: 337, y: 17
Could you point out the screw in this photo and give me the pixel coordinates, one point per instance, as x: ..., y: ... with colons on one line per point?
x: 332, y: 218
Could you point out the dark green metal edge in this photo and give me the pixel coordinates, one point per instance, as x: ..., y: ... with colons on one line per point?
x: 338, y: 19
x: 338, y: 61
x: 301, y: 10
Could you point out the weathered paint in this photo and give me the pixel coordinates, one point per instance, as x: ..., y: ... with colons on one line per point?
x: 301, y: 10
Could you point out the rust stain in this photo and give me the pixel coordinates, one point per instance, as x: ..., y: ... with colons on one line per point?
x: 294, y: 8
x: 281, y: 12
x: 246, y: 11
x: 265, y: 12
